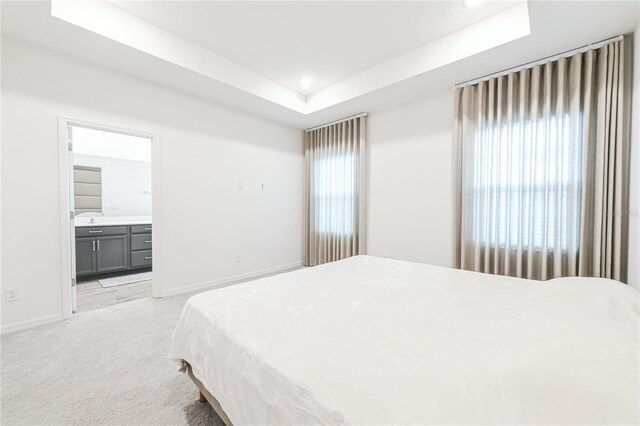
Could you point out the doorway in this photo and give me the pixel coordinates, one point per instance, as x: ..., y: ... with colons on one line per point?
x: 109, y: 180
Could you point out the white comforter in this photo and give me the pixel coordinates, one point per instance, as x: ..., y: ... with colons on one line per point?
x: 377, y: 341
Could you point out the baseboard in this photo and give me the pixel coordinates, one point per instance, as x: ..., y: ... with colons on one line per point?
x: 31, y: 323
x: 235, y: 279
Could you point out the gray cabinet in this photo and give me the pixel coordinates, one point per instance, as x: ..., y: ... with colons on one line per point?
x: 140, y: 229
x: 104, y: 249
x: 140, y: 242
x: 141, y: 259
x: 85, y: 256
x: 100, y: 231
x: 112, y: 253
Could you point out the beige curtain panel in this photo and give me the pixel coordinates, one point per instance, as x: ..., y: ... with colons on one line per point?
x: 334, y: 199
x: 540, y: 170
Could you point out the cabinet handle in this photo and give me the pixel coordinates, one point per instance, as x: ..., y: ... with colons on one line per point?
x: 98, y: 245
x: 148, y: 242
x: 147, y: 257
x: 93, y: 245
x: 147, y: 229
x: 99, y: 231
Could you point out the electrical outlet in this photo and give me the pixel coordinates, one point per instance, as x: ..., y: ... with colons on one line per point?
x: 11, y: 295
x: 238, y: 258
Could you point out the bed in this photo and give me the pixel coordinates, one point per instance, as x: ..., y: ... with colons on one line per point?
x: 368, y: 340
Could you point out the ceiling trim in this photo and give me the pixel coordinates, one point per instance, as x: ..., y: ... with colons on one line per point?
x: 109, y: 21
x: 113, y: 23
x: 502, y: 28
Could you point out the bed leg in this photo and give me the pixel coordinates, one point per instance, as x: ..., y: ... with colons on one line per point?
x: 202, y: 398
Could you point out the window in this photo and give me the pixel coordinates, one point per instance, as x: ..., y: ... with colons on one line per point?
x: 87, y: 189
x: 540, y: 170
x: 334, y: 200
x: 335, y: 184
x: 526, y: 185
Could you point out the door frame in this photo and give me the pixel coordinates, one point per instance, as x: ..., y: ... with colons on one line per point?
x: 65, y: 168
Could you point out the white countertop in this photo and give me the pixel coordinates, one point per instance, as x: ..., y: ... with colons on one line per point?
x: 81, y: 222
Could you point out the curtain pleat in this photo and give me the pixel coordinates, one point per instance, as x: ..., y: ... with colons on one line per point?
x: 335, y: 192
x: 540, y: 178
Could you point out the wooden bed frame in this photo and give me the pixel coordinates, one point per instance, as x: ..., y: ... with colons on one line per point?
x: 206, y: 396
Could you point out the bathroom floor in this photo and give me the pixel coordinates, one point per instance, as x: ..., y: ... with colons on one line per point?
x: 91, y: 295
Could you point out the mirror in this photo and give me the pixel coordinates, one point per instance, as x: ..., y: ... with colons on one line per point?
x: 111, y: 174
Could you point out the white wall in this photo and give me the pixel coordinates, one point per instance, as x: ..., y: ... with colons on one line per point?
x: 634, y: 190
x: 410, y: 188
x: 126, y: 184
x: 206, y: 150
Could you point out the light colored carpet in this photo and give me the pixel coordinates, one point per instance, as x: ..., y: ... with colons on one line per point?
x: 125, y: 279
x: 103, y: 367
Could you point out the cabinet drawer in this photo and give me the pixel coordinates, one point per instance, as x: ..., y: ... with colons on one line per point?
x: 140, y: 258
x: 141, y: 242
x: 140, y: 229
x: 99, y: 231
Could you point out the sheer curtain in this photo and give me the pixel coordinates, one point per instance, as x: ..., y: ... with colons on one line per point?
x: 540, y: 170
x: 334, y: 210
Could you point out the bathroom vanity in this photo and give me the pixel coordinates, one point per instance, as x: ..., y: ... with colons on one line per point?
x: 112, y: 247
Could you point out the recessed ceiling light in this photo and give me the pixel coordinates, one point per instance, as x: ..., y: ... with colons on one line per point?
x: 471, y: 3
x: 305, y: 82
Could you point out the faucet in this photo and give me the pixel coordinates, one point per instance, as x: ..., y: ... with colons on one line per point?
x: 93, y: 219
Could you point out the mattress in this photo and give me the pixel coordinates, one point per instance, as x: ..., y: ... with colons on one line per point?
x: 368, y: 340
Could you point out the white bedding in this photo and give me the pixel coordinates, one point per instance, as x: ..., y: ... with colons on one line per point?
x: 377, y: 341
